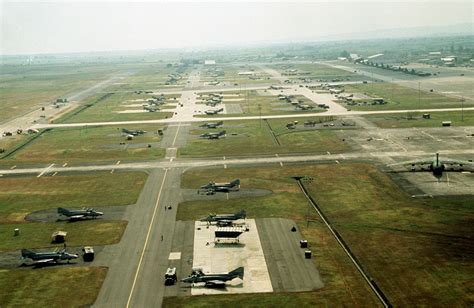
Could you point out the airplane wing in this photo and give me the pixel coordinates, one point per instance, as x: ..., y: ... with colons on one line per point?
x: 457, y: 163
x: 215, y: 284
x: 415, y: 162
x: 45, y: 261
x: 77, y: 216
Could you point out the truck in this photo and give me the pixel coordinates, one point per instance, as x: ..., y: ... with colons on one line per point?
x: 170, y: 276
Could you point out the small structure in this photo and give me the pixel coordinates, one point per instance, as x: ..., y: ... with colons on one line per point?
x: 304, y: 244
x: 307, y: 254
x: 446, y: 123
x: 89, y: 253
x: 58, y: 237
x: 170, y: 276
x: 16, y: 232
x: 426, y: 116
x: 232, y: 233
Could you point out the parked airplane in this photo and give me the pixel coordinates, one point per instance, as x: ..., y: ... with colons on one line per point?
x: 212, y: 112
x: 225, y: 218
x: 222, y: 187
x: 212, y: 124
x: 213, y: 135
x: 438, y: 166
x: 151, y: 108
x: 133, y: 132
x: 213, y: 280
x: 305, y: 107
x: 48, y: 257
x: 79, y: 214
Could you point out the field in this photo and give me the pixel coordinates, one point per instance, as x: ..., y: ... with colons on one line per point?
x: 52, y: 287
x: 84, y: 233
x: 22, y: 195
x: 399, y: 97
x: 24, y: 86
x: 457, y: 118
x: 106, y: 107
x: 417, y: 250
x: 229, y: 74
x: 74, y: 145
x: 344, y: 286
x: 314, y: 71
x: 254, y: 137
x: 151, y: 76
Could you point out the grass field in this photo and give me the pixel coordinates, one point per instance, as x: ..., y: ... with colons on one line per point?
x: 22, y: 195
x: 418, y: 251
x: 105, y: 107
x: 84, y: 233
x: 314, y: 71
x: 51, y: 287
x: 416, y: 120
x: 24, y: 86
x: 399, y: 97
x: 74, y: 145
x: 254, y: 137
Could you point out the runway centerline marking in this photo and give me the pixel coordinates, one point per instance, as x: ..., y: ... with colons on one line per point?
x: 176, y: 135
x: 146, y: 239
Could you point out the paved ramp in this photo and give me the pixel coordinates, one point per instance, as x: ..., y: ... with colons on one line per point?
x: 287, y: 266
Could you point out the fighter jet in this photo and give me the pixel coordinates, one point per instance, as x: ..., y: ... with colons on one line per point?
x: 79, y: 214
x: 222, y: 187
x: 48, y: 257
x: 212, y: 124
x: 212, y: 112
x: 133, y: 132
x: 304, y: 107
x: 151, y: 108
x: 225, y: 218
x: 438, y: 166
x: 213, y: 280
x: 213, y: 135
x: 310, y: 123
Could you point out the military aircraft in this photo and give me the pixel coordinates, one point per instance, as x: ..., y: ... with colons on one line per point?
x: 437, y: 166
x: 213, y: 135
x: 213, y: 280
x: 212, y: 112
x: 213, y: 103
x: 222, y: 187
x: 151, y: 108
x: 310, y: 123
x: 133, y: 132
x: 79, y: 214
x: 304, y: 107
x: 48, y: 257
x: 212, y: 124
x: 225, y: 218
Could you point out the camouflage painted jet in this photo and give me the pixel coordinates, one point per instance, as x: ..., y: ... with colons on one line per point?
x: 48, y: 257
x: 225, y: 218
x: 213, y: 135
x: 222, y: 187
x: 212, y: 112
x: 212, y: 124
x: 79, y: 214
x: 213, y: 280
x: 133, y: 132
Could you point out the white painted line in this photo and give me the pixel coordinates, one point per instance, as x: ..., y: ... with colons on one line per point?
x: 13, y: 167
x: 112, y: 171
x: 329, y: 153
x: 174, y: 256
x: 281, y: 164
x: 227, y: 194
x: 45, y: 170
x: 176, y: 135
x: 54, y: 173
x: 118, y: 162
x: 447, y: 178
x: 276, y: 155
x: 65, y: 164
x: 337, y: 162
x: 146, y: 239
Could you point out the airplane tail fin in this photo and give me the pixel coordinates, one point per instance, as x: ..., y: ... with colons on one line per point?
x: 220, y: 122
x: 243, y: 214
x: 62, y: 210
x: 437, y: 159
x: 239, y: 272
x: 236, y: 182
x: 223, y: 132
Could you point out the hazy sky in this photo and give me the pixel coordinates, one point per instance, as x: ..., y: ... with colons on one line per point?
x: 44, y: 27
